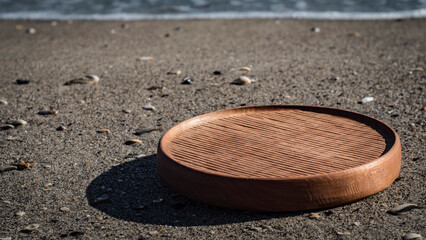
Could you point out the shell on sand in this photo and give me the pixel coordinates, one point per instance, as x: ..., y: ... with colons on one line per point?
x: 83, y: 80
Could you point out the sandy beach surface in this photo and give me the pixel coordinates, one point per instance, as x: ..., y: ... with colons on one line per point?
x: 63, y: 192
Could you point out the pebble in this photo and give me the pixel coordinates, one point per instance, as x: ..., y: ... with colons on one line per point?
x: 419, y: 69
x: 149, y: 107
x: 7, y: 127
x: 31, y: 227
x: 5, y: 238
x: 314, y: 216
x: 83, y: 80
x: 315, y: 29
x: 125, y: 25
x: 155, y: 88
x: 22, y: 81
x: 132, y: 141
x: 47, y: 112
x: 112, y: 31
x: 354, y: 34
x: 178, y: 72
x: 54, y: 23
x: 3, y: 102
x: 19, y: 27
x: 20, y: 213
x: 127, y: 111
x: 144, y: 59
x: 410, y: 236
x: 217, y: 72
x: 19, y: 122
x: 31, y: 30
x: 61, y: 128
x: 8, y: 168
x: 243, y: 80
x: 402, y: 208
x: 153, y: 233
x: 343, y: 233
x: 367, y: 99
x: 145, y: 130
x: 100, y: 199
x: 245, y: 69
x: 23, y: 165
x: 187, y: 80
x: 257, y: 229
x: 158, y: 201
x: 64, y: 209
x: 103, y: 130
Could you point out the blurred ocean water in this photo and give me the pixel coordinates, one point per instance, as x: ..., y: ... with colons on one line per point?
x: 190, y: 9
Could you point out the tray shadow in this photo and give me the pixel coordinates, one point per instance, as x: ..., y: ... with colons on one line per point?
x: 133, y: 191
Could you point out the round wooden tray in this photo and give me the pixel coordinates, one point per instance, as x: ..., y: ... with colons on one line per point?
x: 279, y: 157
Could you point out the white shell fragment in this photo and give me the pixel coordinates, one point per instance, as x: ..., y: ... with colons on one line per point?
x: 149, y: 107
x: 245, y: 69
x: 32, y: 227
x: 314, y: 216
x: 64, y: 209
x: 132, y: 141
x: 145, y: 58
x: 47, y: 112
x: 19, y: 122
x: 367, y: 99
x: 178, y: 72
x: 31, y: 30
x: 20, y: 213
x: 3, y: 102
x: 243, y: 80
x: 402, y: 208
x: 83, y: 80
x: 411, y: 236
x: 315, y: 29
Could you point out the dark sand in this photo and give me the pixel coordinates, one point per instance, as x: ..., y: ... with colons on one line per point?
x: 292, y: 64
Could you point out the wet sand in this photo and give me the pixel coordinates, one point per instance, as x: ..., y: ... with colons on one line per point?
x: 336, y: 67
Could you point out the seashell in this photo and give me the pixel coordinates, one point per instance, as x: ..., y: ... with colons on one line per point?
x: 19, y: 122
x: 343, y: 233
x: 100, y: 199
x: 65, y: 209
x: 103, y: 130
x: 3, y: 102
x: 178, y: 72
x: 315, y: 29
x: 31, y: 227
x: 149, y: 107
x: 145, y: 59
x: 155, y: 88
x: 31, y: 30
x: 127, y: 111
x: 243, y: 80
x: 411, y: 236
x: 23, y: 165
x: 47, y: 112
x: 367, y: 99
x: 83, y: 80
x: 419, y: 69
x: 314, y: 216
x: 22, y: 81
x: 145, y: 130
x: 61, y: 128
x: 187, y: 80
x: 402, y: 208
x: 7, y: 127
x: 245, y: 69
x: 7, y: 168
x: 20, y: 213
x: 132, y: 141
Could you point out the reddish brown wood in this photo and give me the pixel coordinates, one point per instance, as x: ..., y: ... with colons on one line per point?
x: 279, y: 158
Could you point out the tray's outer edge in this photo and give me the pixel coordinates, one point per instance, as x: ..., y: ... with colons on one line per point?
x: 296, y: 194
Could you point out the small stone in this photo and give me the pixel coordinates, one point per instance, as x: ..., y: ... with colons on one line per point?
x: 145, y: 130
x: 411, y: 236
x: 155, y: 88
x: 103, y: 130
x: 112, y: 31
x: 153, y: 233
x: 127, y: 111
x: 402, y: 208
x: 178, y: 72
x: 61, y: 128
x: 19, y: 27
x: 245, y: 69
x: 31, y: 30
x: 343, y: 233
x: 20, y: 213
x: 47, y: 112
x: 31, y: 227
x: 132, y: 141
x: 22, y: 81
x: 243, y: 80
x: 125, y: 26
x: 217, y: 72
x: 314, y: 216
x: 64, y: 209
x: 315, y: 29
x: 19, y: 122
x: 354, y: 34
x: 357, y: 223
x: 54, y: 23
x: 424, y: 108
x: 257, y: 229
x: 7, y: 168
x: 144, y: 59
x: 3, y: 102
x: 83, y: 80
x: 149, y: 107
x: 187, y: 80
x: 419, y: 69
x: 99, y: 218
x: 21, y: 165
x: 5, y: 238
x: 266, y: 227
x: 157, y: 201
x: 100, y: 199
x: 167, y: 35
x: 367, y: 99
x: 7, y: 127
